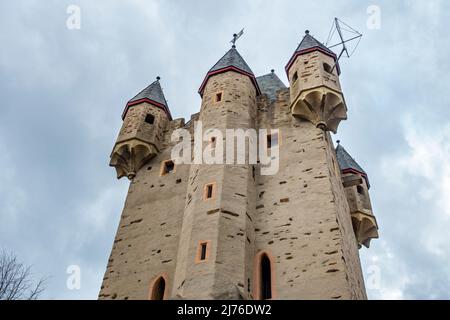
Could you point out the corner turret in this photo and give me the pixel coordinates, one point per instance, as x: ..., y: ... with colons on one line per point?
x: 316, y: 96
x: 356, y: 185
x: 144, y: 119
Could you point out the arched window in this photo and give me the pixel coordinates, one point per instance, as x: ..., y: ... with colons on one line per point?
x: 158, y: 289
x: 265, y: 278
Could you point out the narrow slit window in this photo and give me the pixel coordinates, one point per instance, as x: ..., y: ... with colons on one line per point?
x: 150, y: 119
x: 272, y: 140
x: 219, y: 97
x: 209, y: 191
x: 203, y: 251
x: 295, y: 77
x: 167, y: 167
x: 213, y: 142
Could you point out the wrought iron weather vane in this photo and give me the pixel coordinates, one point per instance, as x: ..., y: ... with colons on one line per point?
x: 236, y: 36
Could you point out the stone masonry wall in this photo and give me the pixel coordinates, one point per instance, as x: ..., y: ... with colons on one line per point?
x: 311, y: 73
x: 299, y: 217
x: 147, y: 238
x: 134, y: 125
x: 297, y: 214
x: 224, y: 220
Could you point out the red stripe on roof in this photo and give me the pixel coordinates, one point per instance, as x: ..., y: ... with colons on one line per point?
x: 154, y: 103
x: 230, y: 68
x: 302, y: 52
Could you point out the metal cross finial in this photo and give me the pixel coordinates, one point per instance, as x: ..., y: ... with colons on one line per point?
x: 236, y: 36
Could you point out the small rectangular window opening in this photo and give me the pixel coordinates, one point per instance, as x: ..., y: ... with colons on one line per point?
x: 272, y: 140
x: 203, y: 251
x: 168, y: 167
x: 295, y: 77
x: 327, y: 68
x: 219, y: 97
x: 150, y: 119
x: 209, y: 191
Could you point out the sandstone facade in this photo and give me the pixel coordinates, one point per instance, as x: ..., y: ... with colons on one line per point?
x: 225, y: 231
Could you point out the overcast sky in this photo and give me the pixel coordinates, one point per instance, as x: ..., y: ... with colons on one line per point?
x: 63, y: 91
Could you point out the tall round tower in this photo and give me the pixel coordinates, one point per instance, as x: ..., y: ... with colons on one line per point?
x: 216, y: 242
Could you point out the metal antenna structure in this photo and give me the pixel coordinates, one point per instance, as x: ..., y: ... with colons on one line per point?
x: 338, y: 27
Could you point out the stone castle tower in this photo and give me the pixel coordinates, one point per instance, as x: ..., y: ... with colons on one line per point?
x: 225, y: 231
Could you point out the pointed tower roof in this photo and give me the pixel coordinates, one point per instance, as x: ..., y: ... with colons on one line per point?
x: 231, y: 61
x: 153, y: 95
x: 270, y: 84
x: 347, y: 164
x: 310, y: 44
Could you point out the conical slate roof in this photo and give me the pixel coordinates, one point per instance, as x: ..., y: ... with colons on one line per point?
x: 270, y: 84
x: 348, y: 164
x: 309, y: 44
x: 232, y: 58
x: 152, y: 94
x: 231, y: 61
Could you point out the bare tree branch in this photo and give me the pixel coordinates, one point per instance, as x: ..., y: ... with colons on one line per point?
x: 16, y: 281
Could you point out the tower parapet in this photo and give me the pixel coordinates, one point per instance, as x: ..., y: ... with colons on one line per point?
x: 316, y: 95
x: 220, y: 197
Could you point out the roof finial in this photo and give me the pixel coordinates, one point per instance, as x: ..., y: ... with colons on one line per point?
x: 272, y: 71
x: 338, y: 142
x: 235, y: 37
x: 158, y: 78
x: 307, y: 31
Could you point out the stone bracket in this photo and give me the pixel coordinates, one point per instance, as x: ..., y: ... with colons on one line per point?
x: 130, y: 156
x: 324, y: 107
x: 365, y: 227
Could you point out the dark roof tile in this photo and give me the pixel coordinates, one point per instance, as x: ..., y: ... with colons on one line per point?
x: 270, y: 84
x: 309, y: 42
x: 346, y: 162
x: 232, y: 58
x: 152, y: 92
